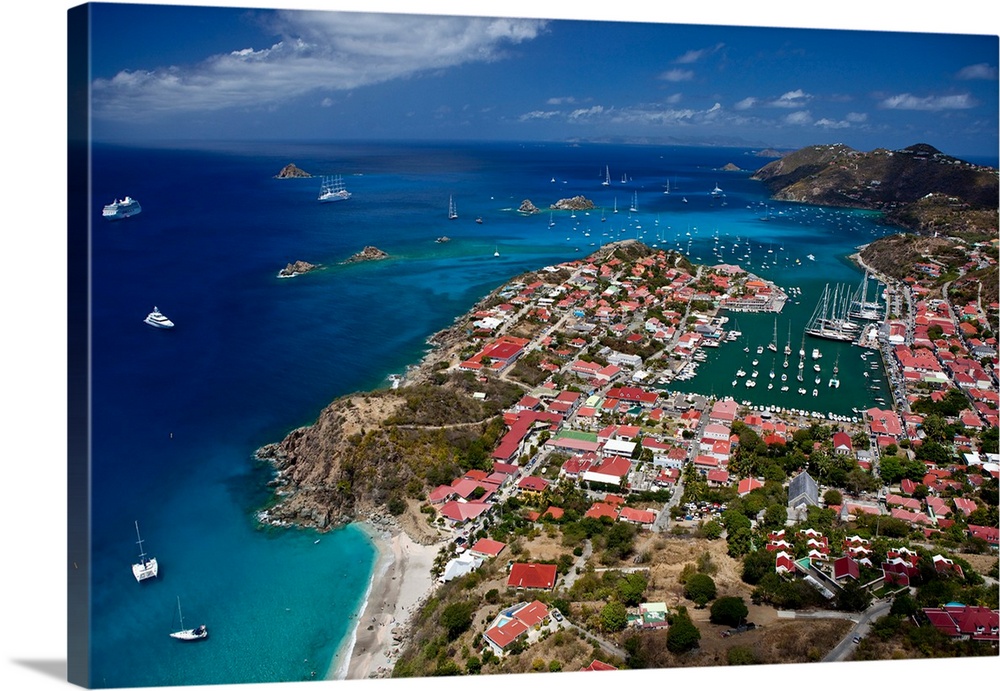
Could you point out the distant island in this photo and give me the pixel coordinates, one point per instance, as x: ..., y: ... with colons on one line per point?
x: 297, y: 269
x: 731, y: 168
x: 292, y: 171
x: 368, y: 254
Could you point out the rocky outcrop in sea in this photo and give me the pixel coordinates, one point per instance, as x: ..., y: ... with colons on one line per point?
x: 292, y: 171
x: 296, y: 269
x: 368, y: 254
x: 577, y: 203
x: 527, y: 207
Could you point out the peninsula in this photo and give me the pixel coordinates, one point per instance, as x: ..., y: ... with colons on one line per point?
x: 568, y: 512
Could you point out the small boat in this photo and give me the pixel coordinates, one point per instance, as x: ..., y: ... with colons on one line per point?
x: 145, y: 568
x: 607, y: 176
x: 496, y: 251
x: 157, y: 319
x: 452, y: 209
x: 479, y: 219
x: 198, y: 633
x: 332, y: 189
x: 121, y: 208
x: 717, y: 191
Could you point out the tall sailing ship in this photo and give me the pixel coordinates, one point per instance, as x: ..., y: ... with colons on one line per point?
x: 830, y: 318
x: 332, y: 189
x: 863, y: 308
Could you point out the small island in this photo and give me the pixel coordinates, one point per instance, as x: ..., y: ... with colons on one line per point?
x: 292, y: 171
x: 298, y: 268
x: 577, y: 203
x: 368, y: 254
x: 731, y: 168
x: 527, y: 207
x: 443, y: 238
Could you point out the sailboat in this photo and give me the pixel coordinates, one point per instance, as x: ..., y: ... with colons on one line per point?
x: 607, y: 176
x: 496, y: 251
x: 788, y: 343
x: 834, y: 380
x: 196, y: 634
x: 666, y: 190
x: 452, y: 209
x: 635, y: 202
x: 773, y: 345
x: 332, y: 189
x: 145, y: 568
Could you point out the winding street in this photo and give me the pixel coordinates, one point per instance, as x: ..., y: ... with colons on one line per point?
x: 861, y: 627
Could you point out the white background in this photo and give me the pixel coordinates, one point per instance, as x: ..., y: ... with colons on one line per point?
x: 32, y: 324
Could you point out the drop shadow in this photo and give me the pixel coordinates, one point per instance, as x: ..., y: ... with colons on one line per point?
x: 57, y: 669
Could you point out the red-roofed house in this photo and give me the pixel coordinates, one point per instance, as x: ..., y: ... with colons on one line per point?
x: 513, y: 623
x: 532, y: 575
x: 845, y: 567
x: 966, y: 623
x: 748, y: 485
x: 842, y: 443
x: 532, y: 484
x: 601, y: 509
x: 598, y: 666
x: 637, y: 516
x: 458, y: 512
x: 487, y: 548
x: 609, y: 471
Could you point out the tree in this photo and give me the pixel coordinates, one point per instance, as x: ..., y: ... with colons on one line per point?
x: 833, y: 498
x: 712, y: 530
x: 683, y: 635
x: 756, y: 565
x: 631, y: 588
x: 614, y: 617
x: 853, y: 597
x: 456, y: 618
x: 731, y: 611
x: 700, y: 589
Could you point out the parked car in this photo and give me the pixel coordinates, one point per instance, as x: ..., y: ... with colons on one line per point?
x: 557, y: 615
x: 857, y: 639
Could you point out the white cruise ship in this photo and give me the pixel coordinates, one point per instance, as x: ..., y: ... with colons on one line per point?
x: 121, y: 208
x: 333, y: 190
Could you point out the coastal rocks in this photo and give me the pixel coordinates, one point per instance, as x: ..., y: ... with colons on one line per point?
x: 577, y: 203
x: 297, y: 269
x: 731, y: 168
x: 527, y: 207
x: 368, y: 254
x: 443, y: 238
x: 292, y: 171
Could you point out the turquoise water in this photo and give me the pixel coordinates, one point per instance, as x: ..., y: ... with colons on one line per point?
x: 178, y: 414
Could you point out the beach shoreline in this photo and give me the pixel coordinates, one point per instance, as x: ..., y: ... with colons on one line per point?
x: 401, y: 582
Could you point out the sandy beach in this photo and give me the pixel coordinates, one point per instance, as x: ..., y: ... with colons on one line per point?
x: 402, y: 580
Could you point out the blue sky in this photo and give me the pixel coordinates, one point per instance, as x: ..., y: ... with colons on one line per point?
x: 209, y: 72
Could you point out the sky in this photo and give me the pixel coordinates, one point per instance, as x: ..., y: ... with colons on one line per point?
x: 33, y: 60
x: 178, y: 72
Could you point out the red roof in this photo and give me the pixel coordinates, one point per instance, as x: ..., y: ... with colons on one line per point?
x: 599, y: 509
x: 531, y: 575
x: 636, y: 515
x: 488, y: 547
x: 506, y: 633
x: 598, y: 666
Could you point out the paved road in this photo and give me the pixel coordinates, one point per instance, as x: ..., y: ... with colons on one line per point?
x: 861, y: 628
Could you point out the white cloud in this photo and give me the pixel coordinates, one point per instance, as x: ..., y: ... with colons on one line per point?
x: 693, y: 56
x: 677, y: 75
x: 791, y: 99
x: 539, y: 115
x: 559, y: 100
x: 933, y: 103
x: 748, y: 102
x: 801, y: 117
x: 856, y: 117
x: 829, y: 124
x: 319, y: 51
x: 979, y: 71
x: 586, y: 112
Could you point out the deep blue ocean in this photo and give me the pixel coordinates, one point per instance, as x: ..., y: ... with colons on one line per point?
x: 178, y: 414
